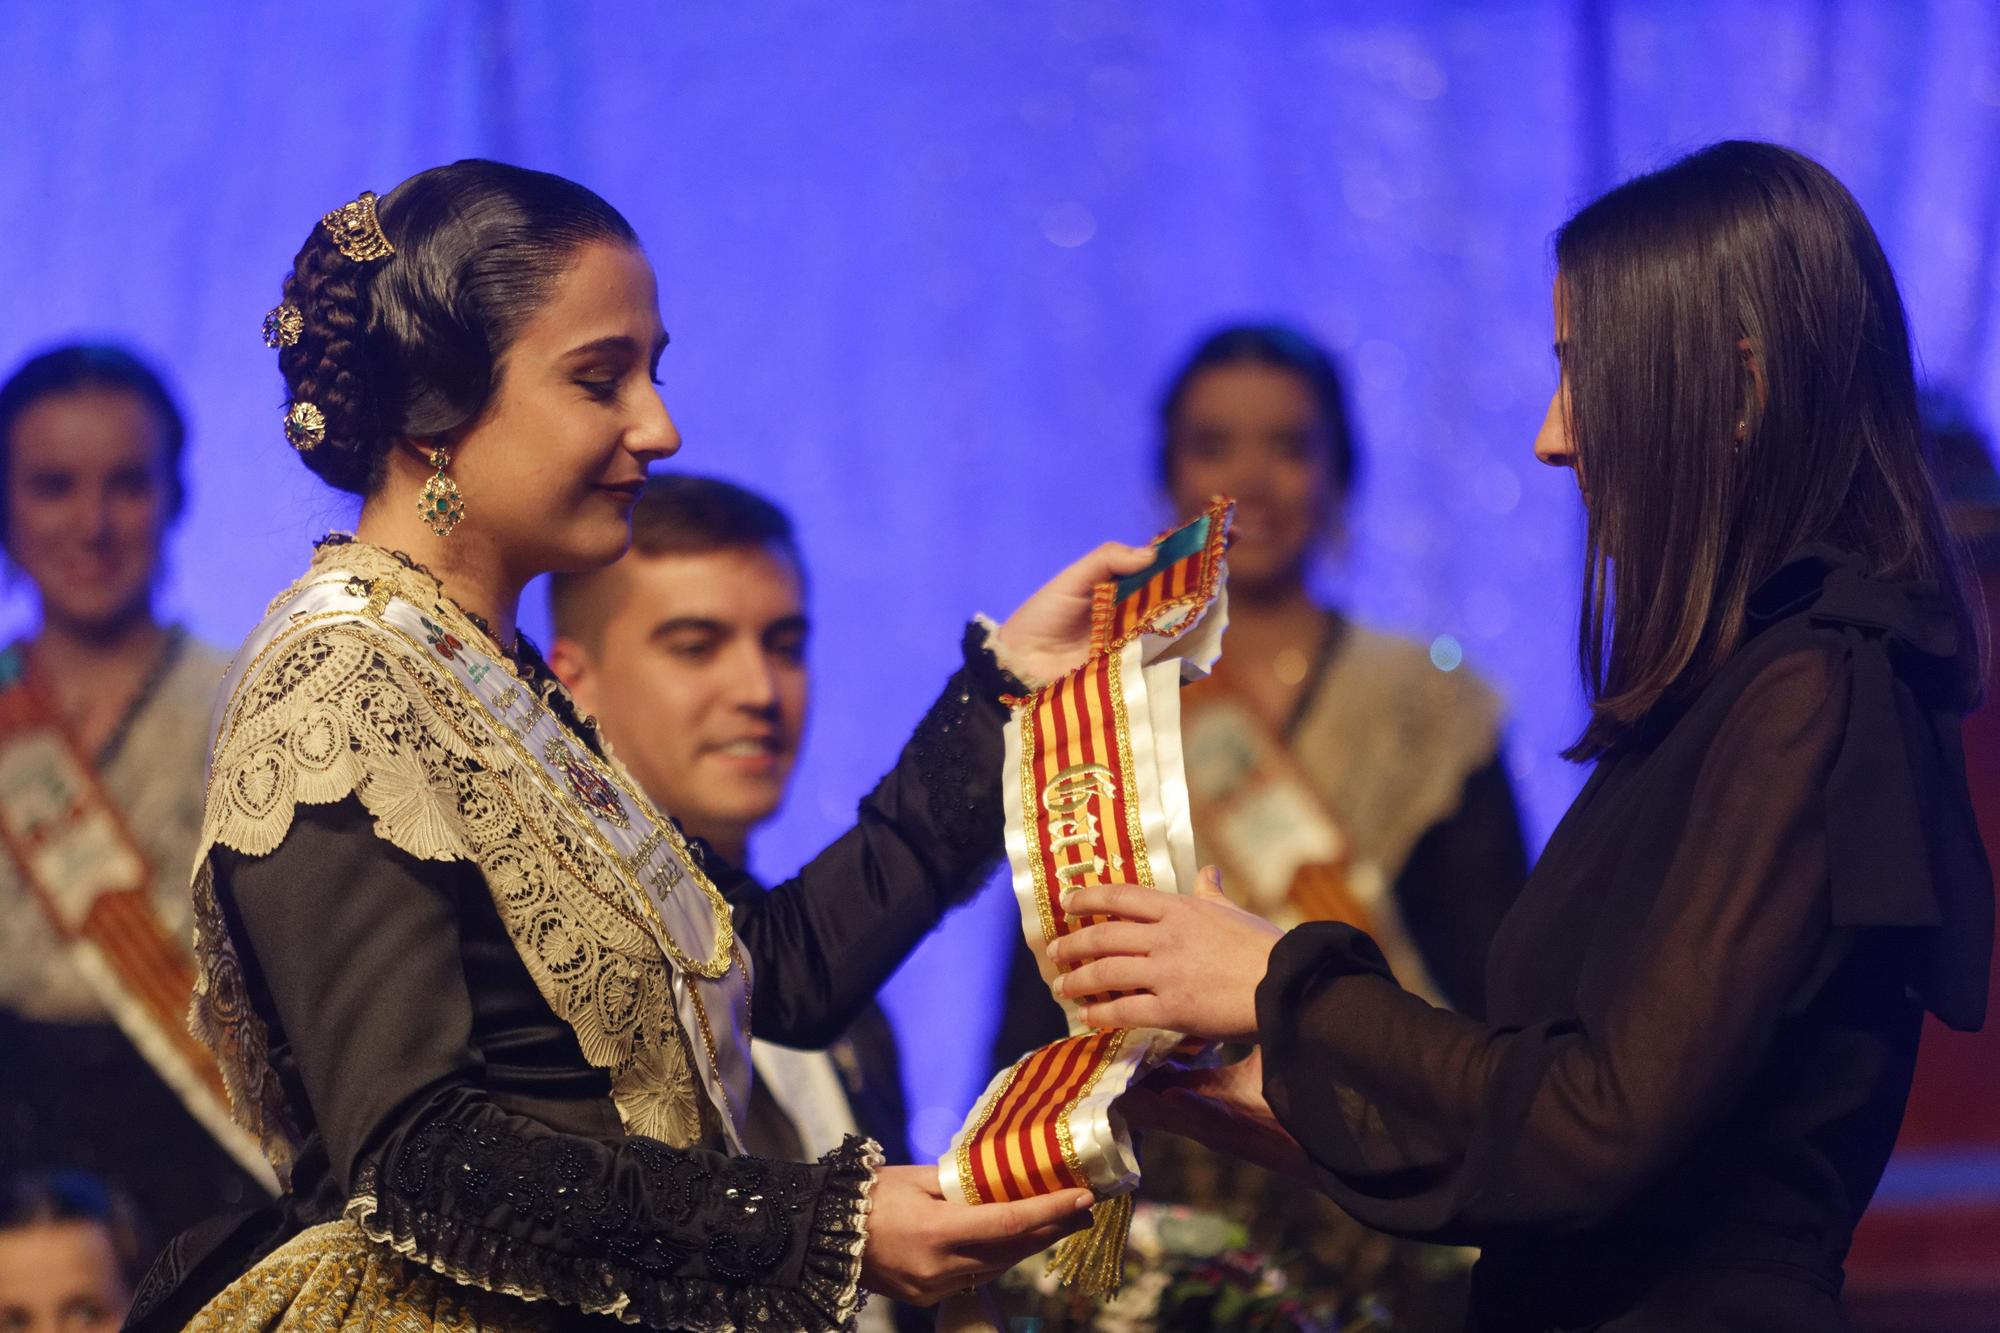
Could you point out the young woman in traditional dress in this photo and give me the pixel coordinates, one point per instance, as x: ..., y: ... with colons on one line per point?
x: 104, y: 716
x: 1703, y: 1012
x: 485, y: 1007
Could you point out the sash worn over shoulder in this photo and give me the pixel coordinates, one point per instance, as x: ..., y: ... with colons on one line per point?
x: 88, y: 874
x: 365, y: 680
x: 1096, y: 794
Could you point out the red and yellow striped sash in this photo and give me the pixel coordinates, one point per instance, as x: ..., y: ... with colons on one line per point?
x: 1096, y: 796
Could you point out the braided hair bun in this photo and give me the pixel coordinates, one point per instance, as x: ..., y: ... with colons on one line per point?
x: 409, y: 346
x: 326, y: 366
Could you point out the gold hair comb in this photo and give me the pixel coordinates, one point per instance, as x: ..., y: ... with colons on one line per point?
x: 357, y: 231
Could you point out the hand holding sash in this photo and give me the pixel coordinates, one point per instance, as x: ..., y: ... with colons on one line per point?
x: 1096, y: 795
x: 1049, y: 635
x: 921, y: 1249
x: 1189, y: 963
x: 1223, y: 1109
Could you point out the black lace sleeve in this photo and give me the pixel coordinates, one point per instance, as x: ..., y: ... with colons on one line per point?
x: 923, y: 841
x: 357, y: 950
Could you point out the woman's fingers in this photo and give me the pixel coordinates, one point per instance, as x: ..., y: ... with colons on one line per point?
x: 1010, y: 1232
x: 997, y: 1256
x: 1122, y: 900
x: 1102, y: 940
x: 1112, y: 560
x: 1128, y: 1011
x: 1019, y: 1219
x: 1106, y: 562
x: 1222, y: 1108
x: 965, y: 1246
x: 1118, y: 973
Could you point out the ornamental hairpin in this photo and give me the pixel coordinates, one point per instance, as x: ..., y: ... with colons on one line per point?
x: 305, y: 426
x: 357, y: 231
x: 283, y: 326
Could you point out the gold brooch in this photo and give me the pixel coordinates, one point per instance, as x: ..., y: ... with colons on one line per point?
x: 305, y: 426
x: 283, y: 326
x: 357, y: 231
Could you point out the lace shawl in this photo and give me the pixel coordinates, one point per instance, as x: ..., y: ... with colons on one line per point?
x: 338, y: 704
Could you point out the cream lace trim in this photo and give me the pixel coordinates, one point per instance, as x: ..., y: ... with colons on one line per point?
x: 341, y: 708
x: 1390, y: 740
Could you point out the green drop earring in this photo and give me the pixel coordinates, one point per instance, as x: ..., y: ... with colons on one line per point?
x: 439, y: 503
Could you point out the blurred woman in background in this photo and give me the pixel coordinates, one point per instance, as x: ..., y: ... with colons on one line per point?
x: 70, y: 1249
x: 1335, y: 772
x: 103, y: 737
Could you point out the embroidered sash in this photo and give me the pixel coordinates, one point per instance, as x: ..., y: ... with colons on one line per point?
x: 1095, y: 794
x: 626, y: 938
x: 1278, y: 844
x: 85, y: 870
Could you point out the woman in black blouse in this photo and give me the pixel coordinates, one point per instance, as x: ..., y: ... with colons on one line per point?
x: 1703, y: 1012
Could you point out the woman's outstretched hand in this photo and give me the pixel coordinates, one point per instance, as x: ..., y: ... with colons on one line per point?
x: 1222, y: 1109
x: 1048, y: 635
x: 922, y: 1249
x: 1187, y: 963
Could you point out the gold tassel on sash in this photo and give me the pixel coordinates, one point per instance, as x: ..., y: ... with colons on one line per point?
x: 1093, y: 1260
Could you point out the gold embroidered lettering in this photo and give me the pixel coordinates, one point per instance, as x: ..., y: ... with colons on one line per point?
x: 1073, y: 824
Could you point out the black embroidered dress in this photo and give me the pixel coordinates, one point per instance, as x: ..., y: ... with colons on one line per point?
x: 455, y: 1159
x: 1703, y: 1012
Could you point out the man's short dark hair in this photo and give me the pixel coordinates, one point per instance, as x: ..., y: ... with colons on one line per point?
x: 681, y: 514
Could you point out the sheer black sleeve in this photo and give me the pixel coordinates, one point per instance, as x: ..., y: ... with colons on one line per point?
x: 927, y: 836
x: 1461, y: 878
x: 1427, y: 1123
x: 358, y: 948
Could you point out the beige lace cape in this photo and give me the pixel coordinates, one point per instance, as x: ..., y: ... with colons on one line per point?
x: 332, y: 705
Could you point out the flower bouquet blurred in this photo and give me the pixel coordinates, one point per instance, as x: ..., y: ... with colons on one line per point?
x: 1189, y: 1271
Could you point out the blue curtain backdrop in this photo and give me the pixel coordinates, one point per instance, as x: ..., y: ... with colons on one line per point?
x: 925, y: 263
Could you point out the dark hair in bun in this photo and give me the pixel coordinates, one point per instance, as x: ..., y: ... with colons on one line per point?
x: 410, y: 345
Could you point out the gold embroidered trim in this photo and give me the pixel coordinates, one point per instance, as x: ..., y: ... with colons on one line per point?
x: 1142, y: 868
x: 968, y: 1184
x: 1031, y: 798
x: 332, y: 1279
x: 1065, y: 1140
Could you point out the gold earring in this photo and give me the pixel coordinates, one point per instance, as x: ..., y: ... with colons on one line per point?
x: 440, y: 504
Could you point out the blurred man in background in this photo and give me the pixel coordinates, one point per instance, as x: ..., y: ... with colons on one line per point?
x: 691, y: 653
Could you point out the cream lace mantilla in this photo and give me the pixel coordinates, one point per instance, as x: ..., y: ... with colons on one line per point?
x: 365, y: 680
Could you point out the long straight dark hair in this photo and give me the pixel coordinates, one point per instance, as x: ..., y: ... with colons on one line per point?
x: 1740, y: 384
